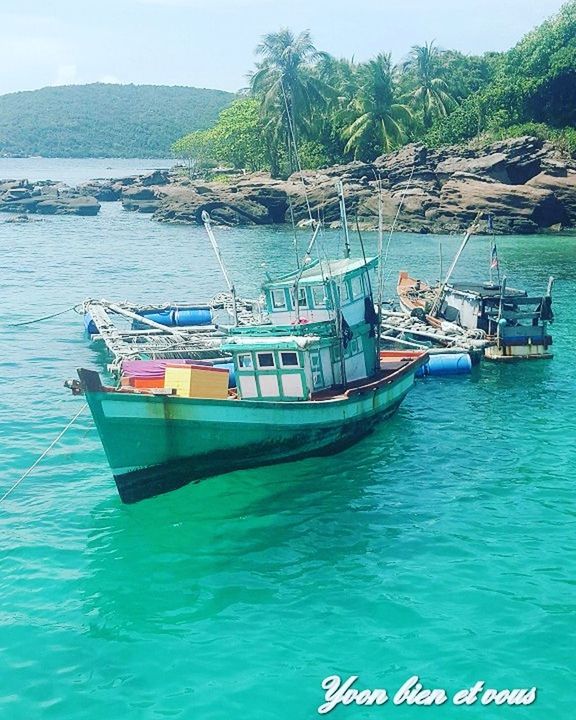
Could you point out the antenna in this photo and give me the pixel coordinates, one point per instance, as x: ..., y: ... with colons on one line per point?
x: 208, y: 225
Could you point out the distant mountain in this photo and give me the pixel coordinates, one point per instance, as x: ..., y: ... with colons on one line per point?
x: 102, y: 120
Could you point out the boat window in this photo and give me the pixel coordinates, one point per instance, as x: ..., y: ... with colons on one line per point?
x: 289, y: 359
x: 266, y: 360
x: 245, y: 362
x: 335, y: 353
x: 357, y: 287
x: 344, y: 293
x: 302, y: 298
x: 278, y: 299
x: 319, y: 295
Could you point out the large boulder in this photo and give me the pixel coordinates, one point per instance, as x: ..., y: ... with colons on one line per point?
x: 102, y: 190
x: 564, y: 189
x: 185, y: 204
x: 516, y: 209
x: 68, y: 206
x: 491, y: 166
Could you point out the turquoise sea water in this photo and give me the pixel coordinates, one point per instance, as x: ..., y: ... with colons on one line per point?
x: 441, y: 546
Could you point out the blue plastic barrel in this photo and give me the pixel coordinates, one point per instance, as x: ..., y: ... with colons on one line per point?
x: 89, y: 324
x: 231, y: 374
x: 183, y: 317
x: 443, y: 365
x: 162, y: 317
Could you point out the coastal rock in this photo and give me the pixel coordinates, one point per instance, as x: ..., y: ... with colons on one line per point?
x: 156, y: 177
x: 524, y: 183
x: 425, y: 190
x: 563, y: 188
x: 227, y: 207
x: 68, y: 206
x: 515, y: 209
x: 45, y: 198
x: 492, y: 166
x: 102, y: 190
x: 21, y: 219
x: 140, y: 199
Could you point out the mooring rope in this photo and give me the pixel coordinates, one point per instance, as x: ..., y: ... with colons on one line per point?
x: 45, y: 317
x: 38, y: 460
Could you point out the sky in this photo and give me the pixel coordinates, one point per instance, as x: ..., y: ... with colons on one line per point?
x: 210, y: 43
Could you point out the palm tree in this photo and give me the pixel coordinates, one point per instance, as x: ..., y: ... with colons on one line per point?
x: 379, y: 121
x: 289, y: 91
x: 430, y: 93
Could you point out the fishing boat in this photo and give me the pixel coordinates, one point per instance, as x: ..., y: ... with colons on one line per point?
x: 513, y: 323
x: 304, y: 386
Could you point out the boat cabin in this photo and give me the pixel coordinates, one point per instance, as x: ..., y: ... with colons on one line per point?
x: 518, y: 321
x: 295, y: 362
x: 313, y: 293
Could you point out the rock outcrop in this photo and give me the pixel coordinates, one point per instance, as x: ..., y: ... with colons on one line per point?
x: 44, y: 198
x: 524, y: 183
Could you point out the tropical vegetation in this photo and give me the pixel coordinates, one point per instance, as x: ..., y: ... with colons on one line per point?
x: 335, y: 110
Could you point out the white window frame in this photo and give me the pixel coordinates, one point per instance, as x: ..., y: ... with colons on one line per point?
x: 319, y: 290
x: 245, y: 367
x: 283, y: 365
x: 302, y: 302
x: 274, y: 294
x: 266, y: 367
x: 357, y: 279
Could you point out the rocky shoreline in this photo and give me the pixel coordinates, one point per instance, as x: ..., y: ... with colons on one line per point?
x: 45, y: 197
x: 526, y: 184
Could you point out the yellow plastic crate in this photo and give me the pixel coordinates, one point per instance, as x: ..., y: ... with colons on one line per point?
x: 197, y: 381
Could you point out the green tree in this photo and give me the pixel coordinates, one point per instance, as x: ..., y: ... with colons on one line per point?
x: 534, y: 82
x: 430, y: 94
x: 235, y: 140
x: 379, y: 122
x: 197, y: 148
x: 289, y: 92
x: 343, y: 78
x: 237, y: 136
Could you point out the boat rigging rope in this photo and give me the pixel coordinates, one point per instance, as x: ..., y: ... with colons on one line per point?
x: 45, y: 317
x: 296, y: 155
x: 39, y: 459
x: 382, y: 279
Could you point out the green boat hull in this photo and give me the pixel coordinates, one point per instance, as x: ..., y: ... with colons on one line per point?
x: 155, y: 444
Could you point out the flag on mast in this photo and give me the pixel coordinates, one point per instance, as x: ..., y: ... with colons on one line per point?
x: 494, y: 258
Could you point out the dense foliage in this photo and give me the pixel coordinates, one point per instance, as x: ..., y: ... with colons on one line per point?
x: 236, y: 139
x: 334, y: 110
x: 102, y: 120
x: 534, y: 82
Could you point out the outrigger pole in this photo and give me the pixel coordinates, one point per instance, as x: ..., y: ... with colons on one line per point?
x: 438, y: 299
x: 208, y: 225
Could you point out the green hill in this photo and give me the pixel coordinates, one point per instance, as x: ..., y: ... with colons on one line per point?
x: 102, y: 120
